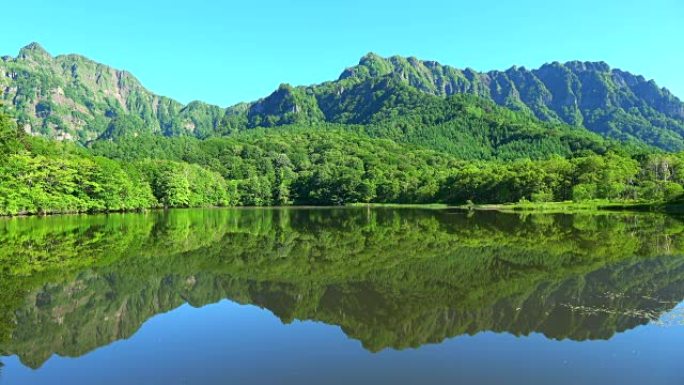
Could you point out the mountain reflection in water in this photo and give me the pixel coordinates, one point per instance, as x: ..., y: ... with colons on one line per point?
x: 390, y: 278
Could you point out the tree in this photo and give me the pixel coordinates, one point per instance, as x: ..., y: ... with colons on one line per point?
x: 11, y: 138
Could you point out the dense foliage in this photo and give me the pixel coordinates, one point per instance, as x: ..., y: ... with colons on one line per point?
x: 325, y: 165
x: 335, y: 165
x: 302, y: 165
x: 39, y: 176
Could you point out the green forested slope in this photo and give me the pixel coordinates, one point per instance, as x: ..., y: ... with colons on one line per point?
x: 605, y: 100
x: 327, y: 165
x: 335, y: 164
x: 72, y: 97
x: 585, y: 95
x: 387, y: 131
x: 38, y: 176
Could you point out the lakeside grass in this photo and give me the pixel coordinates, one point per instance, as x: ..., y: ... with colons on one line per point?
x: 532, y: 207
x: 433, y: 206
x: 570, y: 206
x: 544, y: 207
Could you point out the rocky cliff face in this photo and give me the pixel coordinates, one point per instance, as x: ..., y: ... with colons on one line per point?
x: 72, y: 97
x: 609, y: 101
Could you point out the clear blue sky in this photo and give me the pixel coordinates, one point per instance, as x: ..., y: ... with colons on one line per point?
x: 225, y: 52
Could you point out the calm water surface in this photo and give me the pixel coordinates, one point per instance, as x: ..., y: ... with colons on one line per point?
x: 340, y: 296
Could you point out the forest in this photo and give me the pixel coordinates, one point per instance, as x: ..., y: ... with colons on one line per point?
x: 316, y: 164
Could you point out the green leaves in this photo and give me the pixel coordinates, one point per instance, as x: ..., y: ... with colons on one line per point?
x: 12, y: 140
x: 176, y: 184
x: 37, y: 184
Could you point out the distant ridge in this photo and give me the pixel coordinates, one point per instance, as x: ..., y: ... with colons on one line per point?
x: 72, y: 97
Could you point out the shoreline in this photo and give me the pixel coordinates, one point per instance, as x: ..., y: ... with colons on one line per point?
x: 574, y: 207
x: 527, y: 207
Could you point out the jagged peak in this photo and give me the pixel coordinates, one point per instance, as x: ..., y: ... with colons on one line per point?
x: 34, y: 46
x: 33, y: 50
x: 285, y: 87
x: 516, y: 68
x: 284, y: 90
x: 553, y: 64
x: 370, y: 56
x: 598, y: 66
x: 372, y: 59
x: 432, y: 64
x: 367, y: 66
x: 579, y: 66
x: 196, y: 103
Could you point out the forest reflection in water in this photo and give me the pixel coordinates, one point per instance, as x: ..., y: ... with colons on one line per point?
x: 390, y: 278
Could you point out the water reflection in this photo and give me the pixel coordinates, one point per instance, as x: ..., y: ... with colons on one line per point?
x: 389, y: 278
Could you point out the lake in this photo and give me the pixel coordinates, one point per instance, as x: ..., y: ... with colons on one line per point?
x: 342, y: 296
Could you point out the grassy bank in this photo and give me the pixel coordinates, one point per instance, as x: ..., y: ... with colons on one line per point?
x: 433, y: 206
x: 570, y: 206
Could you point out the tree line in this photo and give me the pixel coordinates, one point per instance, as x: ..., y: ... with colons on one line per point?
x: 326, y: 165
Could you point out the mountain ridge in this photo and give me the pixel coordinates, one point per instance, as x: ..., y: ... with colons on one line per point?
x: 73, y: 97
x: 589, y: 94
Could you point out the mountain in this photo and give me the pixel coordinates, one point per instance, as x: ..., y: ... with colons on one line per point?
x: 387, y: 131
x: 72, y: 97
x: 405, y: 99
x: 610, y: 102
